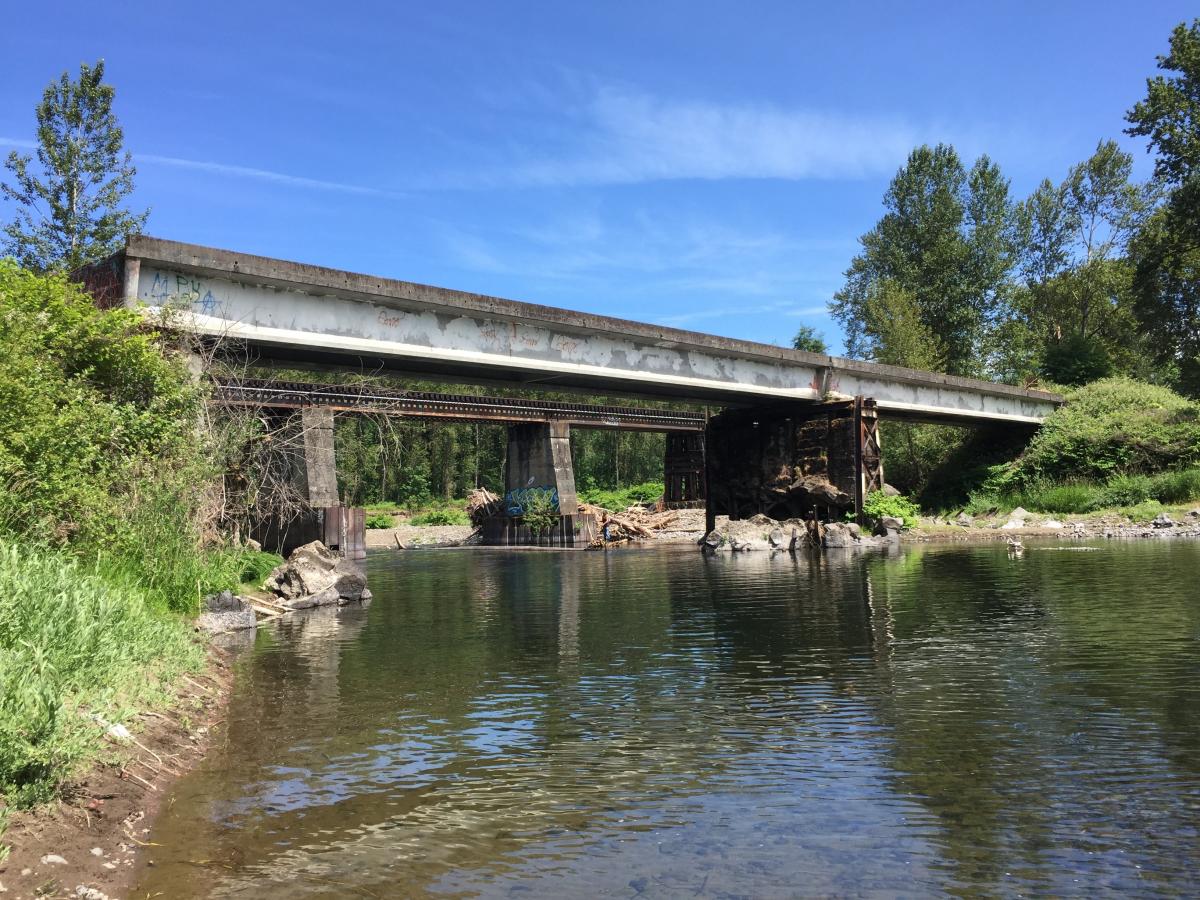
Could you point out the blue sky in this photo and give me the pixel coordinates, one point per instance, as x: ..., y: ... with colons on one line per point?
x: 703, y: 165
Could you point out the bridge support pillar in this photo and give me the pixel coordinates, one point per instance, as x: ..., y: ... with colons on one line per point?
x: 793, y: 460
x: 316, y: 470
x: 683, y: 470
x: 539, y: 456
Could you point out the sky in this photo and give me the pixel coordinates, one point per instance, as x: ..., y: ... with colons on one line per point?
x: 708, y: 166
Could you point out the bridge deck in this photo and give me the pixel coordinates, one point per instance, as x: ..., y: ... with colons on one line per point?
x: 302, y: 313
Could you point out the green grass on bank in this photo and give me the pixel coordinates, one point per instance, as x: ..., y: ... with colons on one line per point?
x: 76, y: 641
x: 623, y: 498
x: 1135, y: 495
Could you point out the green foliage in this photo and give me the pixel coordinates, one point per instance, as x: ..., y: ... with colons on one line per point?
x: 1076, y: 359
x: 73, y: 643
x: 441, y: 516
x: 1125, y: 490
x: 71, y: 214
x: 255, y: 565
x: 381, y: 520
x: 1166, y: 254
x: 810, y: 340
x: 1110, y: 427
x: 940, y: 257
x: 88, y: 406
x: 636, y: 494
x: 878, y: 504
x: 1180, y: 486
x: 540, y: 511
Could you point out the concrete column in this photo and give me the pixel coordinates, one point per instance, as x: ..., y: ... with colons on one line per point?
x: 317, y: 471
x: 539, y: 455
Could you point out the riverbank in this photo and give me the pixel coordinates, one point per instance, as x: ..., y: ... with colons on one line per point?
x: 90, y: 842
x: 1181, y: 521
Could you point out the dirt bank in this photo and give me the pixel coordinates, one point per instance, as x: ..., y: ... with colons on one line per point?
x: 89, y: 843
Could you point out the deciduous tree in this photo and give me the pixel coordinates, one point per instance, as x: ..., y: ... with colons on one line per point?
x: 70, y: 212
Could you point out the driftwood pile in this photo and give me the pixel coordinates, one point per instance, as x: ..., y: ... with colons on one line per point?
x: 481, y: 505
x: 635, y: 523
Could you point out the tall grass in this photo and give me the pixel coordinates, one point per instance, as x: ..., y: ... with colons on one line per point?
x: 1137, y: 495
x: 75, y: 642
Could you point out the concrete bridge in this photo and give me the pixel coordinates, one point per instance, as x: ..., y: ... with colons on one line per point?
x: 792, y: 416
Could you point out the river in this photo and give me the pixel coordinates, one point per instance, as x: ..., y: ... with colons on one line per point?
x: 931, y: 720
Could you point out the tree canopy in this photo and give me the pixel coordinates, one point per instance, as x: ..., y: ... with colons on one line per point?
x: 70, y: 212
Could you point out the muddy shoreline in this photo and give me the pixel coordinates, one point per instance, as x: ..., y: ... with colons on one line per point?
x: 91, y: 843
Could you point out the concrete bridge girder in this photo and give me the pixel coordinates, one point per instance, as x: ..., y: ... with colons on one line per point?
x: 299, y: 312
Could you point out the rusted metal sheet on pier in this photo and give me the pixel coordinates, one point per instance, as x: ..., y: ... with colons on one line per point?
x: 571, y: 531
x: 459, y: 407
x: 340, y: 528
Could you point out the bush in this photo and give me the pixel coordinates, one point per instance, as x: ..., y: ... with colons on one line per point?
x: 1070, y: 497
x: 623, y: 498
x: 381, y: 520
x: 1176, y: 487
x: 1112, y: 427
x: 1127, y: 490
x: 73, y: 644
x: 540, y: 511
x: 878, y: 504
x: 441, y: 517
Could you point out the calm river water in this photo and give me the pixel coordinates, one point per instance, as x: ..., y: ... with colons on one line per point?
x: 652, y: 723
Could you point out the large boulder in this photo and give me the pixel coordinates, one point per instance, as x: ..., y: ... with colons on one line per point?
x: 838, y: 536
x: 224, y: 612
x: 316, y: 576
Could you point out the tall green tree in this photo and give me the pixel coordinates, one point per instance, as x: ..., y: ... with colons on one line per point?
x: 810, y: 340
x: 1078, y: 302
x: 945, y: 247
x: 70, y: 212
x: 1166, y: 253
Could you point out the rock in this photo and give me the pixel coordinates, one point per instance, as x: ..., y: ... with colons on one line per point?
x: 1013, y: 523
x: 1194, y: 514
x: 1162, y: 520
x: 83, y: 892
x: 53, y: 859
x: 891, y: 523
x: 1053, y: 523
x: 253, y: 545
x: 714, y: 540
x: 889, y: 491
x: 225, y: 612
x: 964, y: 520
x: 316, y: 576
x: 1019, y: 514
x: 96, y: 851
x: 776, y: 539
x: 854, y: 529
x: 838, y: 536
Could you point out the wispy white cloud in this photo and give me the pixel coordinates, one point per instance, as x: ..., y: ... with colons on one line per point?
x: 233, y: 171
x: 602, y: 134
x: 217, y: 168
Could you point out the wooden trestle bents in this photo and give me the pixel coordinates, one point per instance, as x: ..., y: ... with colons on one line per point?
x: 683, y: 471
x: 792, y: 460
